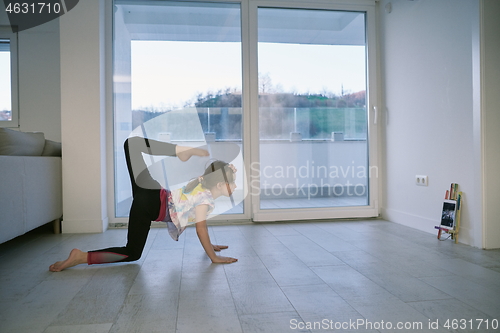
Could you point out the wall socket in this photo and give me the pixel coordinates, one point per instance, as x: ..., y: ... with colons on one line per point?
x: 421, y: 180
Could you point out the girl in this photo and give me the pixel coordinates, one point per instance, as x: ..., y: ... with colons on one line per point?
x: 192, y: 203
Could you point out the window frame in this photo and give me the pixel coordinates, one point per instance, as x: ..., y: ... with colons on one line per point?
x: 372, y: 100
x: 6, y: 33
x: 249, y: 26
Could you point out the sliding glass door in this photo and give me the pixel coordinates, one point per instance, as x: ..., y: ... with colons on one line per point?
x: 178, y: 79
x: 290, y: 83
x: 313, y: 116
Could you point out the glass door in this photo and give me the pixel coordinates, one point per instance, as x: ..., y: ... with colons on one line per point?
x: 178, y: 78
x: 313, y: 114
x: 290, y: 83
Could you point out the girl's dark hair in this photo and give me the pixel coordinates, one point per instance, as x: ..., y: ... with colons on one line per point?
x: 217, y: 172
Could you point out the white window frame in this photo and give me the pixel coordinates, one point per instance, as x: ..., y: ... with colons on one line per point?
x: 6, y: 33
x: 372, y: 209
x: 249, y: 40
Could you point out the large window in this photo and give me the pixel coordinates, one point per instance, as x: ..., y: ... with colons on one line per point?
x: 286, y: 81
x: 8, y: 80
x: 178, y: 78
x: 312, y: 108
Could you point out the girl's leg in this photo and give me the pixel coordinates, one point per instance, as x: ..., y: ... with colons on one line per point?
x: 146, y: 202
x: 145, y: 205
x: 145, y: 208
x: 76, y: 257
x: 139, y: 174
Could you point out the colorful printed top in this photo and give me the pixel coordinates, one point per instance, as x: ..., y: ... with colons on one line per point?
x: 178, y: 208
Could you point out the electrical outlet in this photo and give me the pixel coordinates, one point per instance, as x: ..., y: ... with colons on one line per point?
x: 421, y: 180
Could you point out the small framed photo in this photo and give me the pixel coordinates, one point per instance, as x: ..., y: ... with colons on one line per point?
x: 448, y: 215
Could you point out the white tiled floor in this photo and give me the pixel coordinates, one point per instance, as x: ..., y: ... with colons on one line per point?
x: 288, y: 275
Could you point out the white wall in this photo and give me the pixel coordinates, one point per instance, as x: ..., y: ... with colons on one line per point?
x: 440, y: 75
x: 426, y: 67
x: 83, y: 117
x: 39, y: 78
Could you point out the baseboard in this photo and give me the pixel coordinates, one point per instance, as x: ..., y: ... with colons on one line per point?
x: 84, y: 226
x: 413, y: 221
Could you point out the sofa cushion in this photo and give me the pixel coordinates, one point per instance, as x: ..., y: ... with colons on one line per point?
x: 52, y: 148
x: 21, y: 143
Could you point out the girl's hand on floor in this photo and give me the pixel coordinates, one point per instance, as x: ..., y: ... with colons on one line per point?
x: 217, y: 248
x: 223, y: 260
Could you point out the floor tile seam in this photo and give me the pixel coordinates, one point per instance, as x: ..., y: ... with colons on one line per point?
x: 368, y: 277
x: 377, y: 256
x: 363, y: 274
x: 329, y: 283
x: 291, y: 252
x: 389, y: 291
x: 331, y: 232
x: 294, y: 256
x: 241, y: 233
x: 442, y: 291
x: 436, y: 300
x: 274, y: 312
x: 454, y: 274
x: 269, y: 312
x: 305, y: 263
x: 329, y: 286
x: 466, y: 276
x: 490, y: 263
x: 271, y: 275
x: 400, y: 237
x: 180, y: 284
x: 411, y: 244
x: 229, y: 284
x: 119, y: 312
x: 350, y: 242
x: 469, y: 280
x: 346, y: 301
x: 47, y: 279
x: 403, y: 273
x: 80, y: 326
x: 56, y: 316
x: 312, y: 240
x: 264, y: 262
x: 485, y: 315
x: 363, y: 316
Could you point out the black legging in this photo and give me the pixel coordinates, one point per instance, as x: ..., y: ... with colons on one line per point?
x: 145, y: 204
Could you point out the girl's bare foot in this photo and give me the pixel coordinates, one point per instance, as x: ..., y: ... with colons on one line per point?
x: 76, y: 257
x: 184, y: 153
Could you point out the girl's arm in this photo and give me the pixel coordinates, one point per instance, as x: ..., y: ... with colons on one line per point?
x: 202, y: 232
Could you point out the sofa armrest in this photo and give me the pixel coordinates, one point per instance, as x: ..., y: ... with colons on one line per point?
x: 11, y: 197
x: 30, y: 193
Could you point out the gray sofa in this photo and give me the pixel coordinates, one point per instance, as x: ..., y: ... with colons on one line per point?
x: 30, y: 182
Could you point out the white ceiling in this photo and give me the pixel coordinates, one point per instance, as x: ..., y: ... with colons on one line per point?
x: 175, y: 21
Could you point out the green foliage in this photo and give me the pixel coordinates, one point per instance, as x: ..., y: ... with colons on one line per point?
x: 287, y: 100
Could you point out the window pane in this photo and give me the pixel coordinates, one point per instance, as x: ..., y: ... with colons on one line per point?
x: 312, y: 108
x: 178, y: 78
x: 5, y: 81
